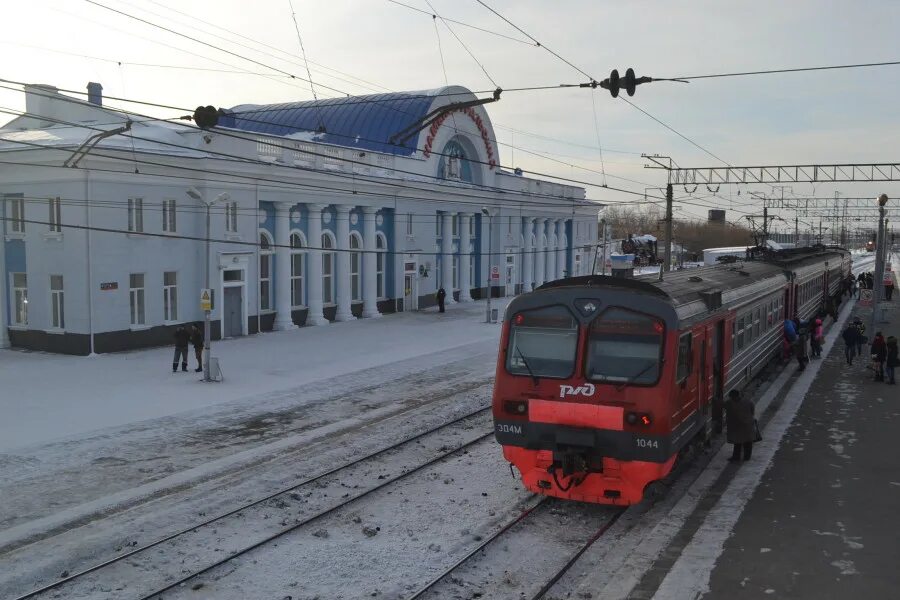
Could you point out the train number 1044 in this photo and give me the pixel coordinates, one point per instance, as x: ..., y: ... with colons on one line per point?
x: 645, y: 443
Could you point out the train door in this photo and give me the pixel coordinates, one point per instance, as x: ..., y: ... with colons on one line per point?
x: 717, y: 399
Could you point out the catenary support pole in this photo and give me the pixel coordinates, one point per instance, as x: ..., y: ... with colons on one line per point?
x: 667, y: 251
x: 877, y: 280
x: 206, y: 327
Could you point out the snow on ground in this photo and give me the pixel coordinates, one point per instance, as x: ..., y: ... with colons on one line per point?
x: 48, y: 397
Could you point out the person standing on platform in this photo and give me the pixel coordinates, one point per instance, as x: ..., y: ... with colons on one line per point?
x: 888, y: 286
x: 892, y: 361
x: 197, y: 343
x: 816, y: 339
x: 740, y: 425
x: 182, y: 337
x: 879, y: 356
x: 800, y: 347
x: 851, y: 342
x: 441, y: 298
x: 854, y: 290
x: 861, y: 340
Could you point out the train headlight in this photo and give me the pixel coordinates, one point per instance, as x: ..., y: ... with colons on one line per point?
x: 516, y: 407
x: 643, y: 419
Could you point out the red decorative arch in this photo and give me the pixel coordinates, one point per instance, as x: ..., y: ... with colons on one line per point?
x: 479, y: 123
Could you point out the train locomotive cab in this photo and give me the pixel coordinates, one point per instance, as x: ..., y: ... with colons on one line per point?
x: 587, y: 389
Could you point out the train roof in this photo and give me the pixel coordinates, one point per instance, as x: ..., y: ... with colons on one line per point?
x: 713, y: 285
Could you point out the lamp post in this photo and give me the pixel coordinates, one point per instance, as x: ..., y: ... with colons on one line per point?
x: 877, y: 281
x: 490, y: 216
x: 196, y: 195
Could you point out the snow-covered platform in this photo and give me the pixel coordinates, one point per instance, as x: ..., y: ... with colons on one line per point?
x: 52, y: 397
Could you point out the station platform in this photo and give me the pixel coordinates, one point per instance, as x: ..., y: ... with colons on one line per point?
x: 816, y: 516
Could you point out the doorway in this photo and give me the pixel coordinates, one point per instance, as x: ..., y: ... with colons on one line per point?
x: 232, y: 317
x: 510, y: 275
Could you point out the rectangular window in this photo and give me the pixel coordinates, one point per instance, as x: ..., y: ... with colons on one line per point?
x: 409, y: 224
x: 437, y: 225
x: 297, y: 279
x: 55, y: 215
x: 136, y: 296
x: 455, y: 225
x: 509, y: 225
x: 624, y: 347
x: 455, y: 272
x: 265, y: 281
x: 168, y: 216
x: 740, y: 335
x: 327, y: 278
x: 231, y: 224
x: 685, y: 357
x: 170, y: 296
x: 135, y: 215
x: 379, y: 274
x: 542, y: 343
x: 57, y: 303
x: 20, y: 298
x: 472, y: 227
x: 15, y: 213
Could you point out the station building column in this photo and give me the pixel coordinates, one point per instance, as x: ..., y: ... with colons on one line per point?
x: 342, y: 276
x: 465, y: 286
x: 528, y: 257
x: 539, y: 259
x: 370, y: 264
x: 283, y: 320
x: 447, y: 255
x: 560, y: 248
x: 316, y: 314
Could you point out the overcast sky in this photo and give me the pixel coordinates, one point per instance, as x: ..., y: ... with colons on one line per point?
x: 366, y: 46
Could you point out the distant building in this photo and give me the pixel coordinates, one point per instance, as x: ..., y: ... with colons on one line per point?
x: 326, y: 211
x: 716, y: 215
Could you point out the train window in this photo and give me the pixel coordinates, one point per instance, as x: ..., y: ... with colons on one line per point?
x: 685, y: 357
x: 740, y: 335
x: 624, y: 346
x: 542, y: 343
x: 756, y: 324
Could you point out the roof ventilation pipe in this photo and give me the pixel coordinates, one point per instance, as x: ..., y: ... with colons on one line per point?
x: 95, y: 93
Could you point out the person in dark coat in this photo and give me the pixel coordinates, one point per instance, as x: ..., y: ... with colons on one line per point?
x: 800, y: 347
x: 740, y: 425
x: 879, y: 356
x: 888, y: 287
x: 892, y: 361
x: 861, y: 340
x: 441, y: 298
x: 197, y: 343
x: 854, y: 291
x: 850, y: 336
x: 182, y: 337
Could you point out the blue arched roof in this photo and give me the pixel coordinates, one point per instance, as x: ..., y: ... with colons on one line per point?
x: 364, y: 122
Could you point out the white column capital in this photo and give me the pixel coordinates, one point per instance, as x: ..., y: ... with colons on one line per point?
x: 370, y: 210
x: 343, y: 209
x: 316, y: 208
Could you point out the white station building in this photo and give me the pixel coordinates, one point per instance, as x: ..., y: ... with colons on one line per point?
x: 319, y: 211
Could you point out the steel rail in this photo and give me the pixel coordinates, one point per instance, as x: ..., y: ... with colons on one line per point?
x: 79, y: 574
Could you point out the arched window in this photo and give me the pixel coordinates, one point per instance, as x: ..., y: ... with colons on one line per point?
x: 298, y: 257
x: 327, y: 269
x: 454, y: 163
x: 355, y: 257
x: 265, y: 271
x: 381, y: 246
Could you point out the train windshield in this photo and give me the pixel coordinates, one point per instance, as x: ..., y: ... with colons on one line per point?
x: 542, y: 343
x: 624, y: 346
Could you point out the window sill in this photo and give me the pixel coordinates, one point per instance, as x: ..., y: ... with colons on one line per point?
x: 267, y: 311
x: 233, y: 237
x: 15, y: 235
x: 139, y: 327
x: 169, y: 233
x: 55, y: 331
x: 53, y: 235
x: 328, y: 305
x: 18, y: 327
x: 136, y: 235
x: 298, y: 307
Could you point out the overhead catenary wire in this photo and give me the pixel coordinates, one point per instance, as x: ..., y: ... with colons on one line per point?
x: 469, y: 25
x: 461, y: 43
x: 792, y: 70
x: 556, y: 203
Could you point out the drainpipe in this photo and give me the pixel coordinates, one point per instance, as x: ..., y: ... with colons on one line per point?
x: 90, y: 281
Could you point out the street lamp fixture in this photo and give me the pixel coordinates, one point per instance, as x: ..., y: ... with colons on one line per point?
x: 195, y: 194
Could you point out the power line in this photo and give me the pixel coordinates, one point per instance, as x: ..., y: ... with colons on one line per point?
x: 461, y: 43
x: 794, y: 70
x: 470, y: 26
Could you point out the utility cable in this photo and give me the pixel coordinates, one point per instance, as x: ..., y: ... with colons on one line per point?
x: 470, y: 26
x: 794, y: 70
x: 461, y: 43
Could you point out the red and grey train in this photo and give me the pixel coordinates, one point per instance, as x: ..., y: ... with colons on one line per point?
x: 602, y: 381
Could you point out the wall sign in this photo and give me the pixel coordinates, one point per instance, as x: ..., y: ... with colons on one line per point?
x: 109, y: 285
x: 479, y: 123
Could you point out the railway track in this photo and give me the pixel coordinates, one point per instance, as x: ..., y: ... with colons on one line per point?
x: 132, y: 557
x: 433, y: 587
